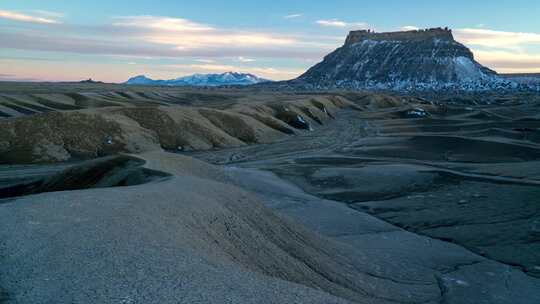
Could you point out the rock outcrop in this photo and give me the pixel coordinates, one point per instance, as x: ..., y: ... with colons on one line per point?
x: 411, y: 60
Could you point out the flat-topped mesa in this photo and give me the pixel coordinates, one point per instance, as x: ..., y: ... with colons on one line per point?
x: 415, y: 35
x: 410, y: 60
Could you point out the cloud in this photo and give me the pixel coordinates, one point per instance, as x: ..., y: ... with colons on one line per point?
x: 333, y: 22
x: 244, y: 59
x: 409, y: 28
x: 68, y: 70
x: 503, y: 51
x: 164, y: 37
x: 162, y: 23
x: 14, y: 16
x: 205, y: 60
x: 209, y: 67
x: 10, y: 77
x: 49, y: 14
x: 132, y: 47
x: 293, y: 16
x: 496, y: 39
x: 266, y: 72
x: 184, y: 34
x: 341, y: 24
x: 509, y: 62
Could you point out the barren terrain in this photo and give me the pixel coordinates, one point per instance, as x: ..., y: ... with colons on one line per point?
x: 163, y: 195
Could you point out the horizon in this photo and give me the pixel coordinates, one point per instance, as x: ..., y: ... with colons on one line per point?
x: 74, y: 41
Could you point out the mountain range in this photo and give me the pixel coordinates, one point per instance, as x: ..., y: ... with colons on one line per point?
x: 418, y: 60
x: 210, y: 80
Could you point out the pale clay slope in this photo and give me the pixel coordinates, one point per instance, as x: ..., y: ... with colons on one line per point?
x: 386, y: 251
x: 195, y: 238
x: 189, y: 239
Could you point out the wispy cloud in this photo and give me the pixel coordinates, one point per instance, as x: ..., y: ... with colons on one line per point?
x: 503, y: 51
x: 509, y: 62
x: 49, y: 14
x: 10, y: 77
x: 244, y: 59
x: 293, y: 16
x: 409, y: 28
x: 162, y: 23
x: 496, y: 39
x: 267, y: 72
x: 15, y: 16
x: 185, y: 34
x: 165, y: 37
x: 205, y: 60
x: 341, y: 23
x: 134, y: 45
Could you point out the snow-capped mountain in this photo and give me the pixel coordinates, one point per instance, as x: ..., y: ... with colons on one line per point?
x: 212, y: 80
x: 404, y: 61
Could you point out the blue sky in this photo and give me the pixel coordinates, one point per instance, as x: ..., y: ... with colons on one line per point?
x: 113, y: 40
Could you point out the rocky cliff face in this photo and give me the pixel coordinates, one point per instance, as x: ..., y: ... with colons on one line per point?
x: 424, y: 59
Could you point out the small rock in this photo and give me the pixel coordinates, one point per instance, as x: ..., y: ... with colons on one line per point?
x: 463, y: 201
x: 416, y: 112
x: 300, y: 123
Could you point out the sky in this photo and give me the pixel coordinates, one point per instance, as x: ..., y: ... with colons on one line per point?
x: 113, y: 40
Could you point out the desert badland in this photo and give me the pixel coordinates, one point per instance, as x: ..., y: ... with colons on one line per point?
x: 396, y: 170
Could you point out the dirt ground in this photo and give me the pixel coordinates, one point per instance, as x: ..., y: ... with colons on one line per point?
x: 268, y: 197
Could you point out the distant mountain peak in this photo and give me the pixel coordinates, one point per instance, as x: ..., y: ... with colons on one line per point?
x: 223, y: 79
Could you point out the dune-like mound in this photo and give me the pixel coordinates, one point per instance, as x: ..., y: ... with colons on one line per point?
x: 60, y: 136
x: 90, y: 133
x: 190, y: 238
